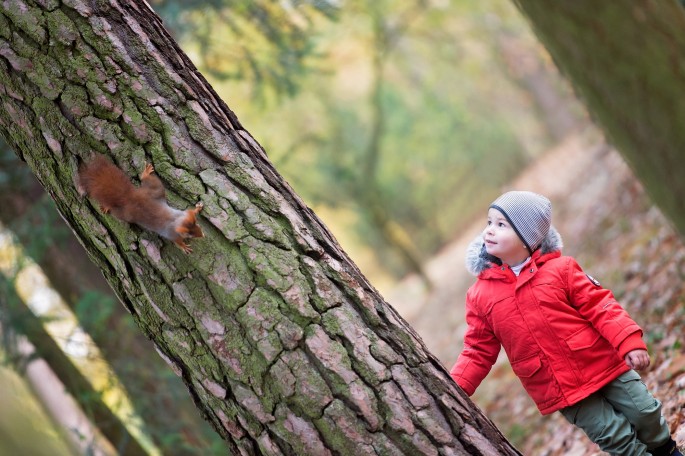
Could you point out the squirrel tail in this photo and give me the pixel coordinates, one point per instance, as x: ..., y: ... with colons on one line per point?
x: 105, y: 182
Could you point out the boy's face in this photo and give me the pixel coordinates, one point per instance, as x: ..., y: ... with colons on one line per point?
x: 502, y: 241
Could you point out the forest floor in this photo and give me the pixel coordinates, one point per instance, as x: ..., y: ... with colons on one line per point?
x: 608, y: 223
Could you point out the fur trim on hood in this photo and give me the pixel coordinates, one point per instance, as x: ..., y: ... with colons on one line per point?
x: 478, y: 260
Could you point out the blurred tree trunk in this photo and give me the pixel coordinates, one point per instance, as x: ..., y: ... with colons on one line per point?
x: 624, y: 58
x: 16, y: 315
x: 55, y: 377
x: 282, y: 343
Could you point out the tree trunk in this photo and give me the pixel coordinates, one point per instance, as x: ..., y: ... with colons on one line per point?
x: 283, y: 344
x: 624, y: 58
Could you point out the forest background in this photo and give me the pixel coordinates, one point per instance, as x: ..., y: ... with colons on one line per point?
x: 396, y: 123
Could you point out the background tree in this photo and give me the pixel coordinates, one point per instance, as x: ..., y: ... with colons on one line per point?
x: 282, y: 343
x: 270, y: 44
x: 623, y: 58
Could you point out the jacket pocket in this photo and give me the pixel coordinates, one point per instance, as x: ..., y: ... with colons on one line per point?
x: 526, y: 368
x: 538, y: 381
x: 591, y: 355
x: 582, y: 339
x: 499, y: 301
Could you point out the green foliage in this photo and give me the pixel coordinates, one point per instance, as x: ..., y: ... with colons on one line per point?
x: 42, y: 225
x: 94, y: 310
x: 11, y: 171
x: 271, y: 44
x: 39, y: 225
x: 397, y: 114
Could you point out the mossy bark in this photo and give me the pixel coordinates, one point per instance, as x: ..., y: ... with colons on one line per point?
x: 625, y: 58
x: 283, y: 344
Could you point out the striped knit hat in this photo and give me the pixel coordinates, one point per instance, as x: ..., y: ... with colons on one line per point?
x: 530, y: 215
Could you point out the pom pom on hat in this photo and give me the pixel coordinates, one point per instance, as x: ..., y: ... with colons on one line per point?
x: 530, y: 214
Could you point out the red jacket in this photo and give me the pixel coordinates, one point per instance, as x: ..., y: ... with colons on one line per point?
x: 565, y: 336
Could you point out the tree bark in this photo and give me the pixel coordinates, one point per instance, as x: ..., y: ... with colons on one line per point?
x: 283, y: 344
x: 624, y: 58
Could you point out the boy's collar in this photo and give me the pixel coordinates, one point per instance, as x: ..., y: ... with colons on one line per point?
x: 478, y: 260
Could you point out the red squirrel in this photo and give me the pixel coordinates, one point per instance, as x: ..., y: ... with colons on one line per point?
x: 145, y: 206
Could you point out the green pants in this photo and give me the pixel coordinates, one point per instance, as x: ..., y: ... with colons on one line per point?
x: 623, y: 418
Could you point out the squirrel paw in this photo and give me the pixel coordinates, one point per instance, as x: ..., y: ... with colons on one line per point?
x: 198, y: 208
x: 149, y: 169
x: 183, y: 246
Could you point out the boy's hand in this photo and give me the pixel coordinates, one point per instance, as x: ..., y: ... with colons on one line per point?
x: 637, y: 359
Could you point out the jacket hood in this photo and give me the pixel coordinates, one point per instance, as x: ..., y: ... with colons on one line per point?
x: 478, y: 260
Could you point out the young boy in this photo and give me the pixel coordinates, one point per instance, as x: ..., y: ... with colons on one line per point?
x: 568, y: 340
